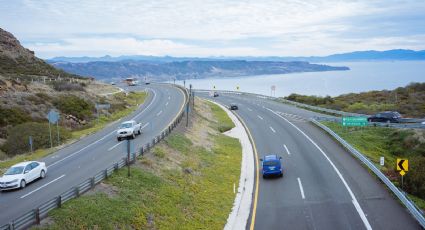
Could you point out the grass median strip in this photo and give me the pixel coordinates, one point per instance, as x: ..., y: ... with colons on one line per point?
x: 185, y: 182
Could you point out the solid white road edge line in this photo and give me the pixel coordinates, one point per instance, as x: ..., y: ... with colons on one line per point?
x: 241, y: 209
x: 272, y: 129
x: 287, y: 150
x: 35, y: 190
x: 54, y: 163
x: 301, y: 188
x: 355, y: 202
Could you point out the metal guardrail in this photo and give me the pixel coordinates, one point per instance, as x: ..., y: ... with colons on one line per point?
x: 416, y: 212
x: 411, y: 123
x: 34, y: 216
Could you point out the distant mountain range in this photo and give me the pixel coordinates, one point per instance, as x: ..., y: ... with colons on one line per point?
x: 159, y: 71
x: 371, y: 55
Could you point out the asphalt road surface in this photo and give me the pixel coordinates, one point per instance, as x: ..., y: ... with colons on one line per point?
x: 323, y: 186
x: 77, y: 162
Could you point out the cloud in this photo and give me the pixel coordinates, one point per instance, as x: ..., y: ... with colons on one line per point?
x: 211, y: 27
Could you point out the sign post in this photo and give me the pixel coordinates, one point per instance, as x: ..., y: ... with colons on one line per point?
x: 53, y: 117
x: 402, y: 166
x: 30, y: 142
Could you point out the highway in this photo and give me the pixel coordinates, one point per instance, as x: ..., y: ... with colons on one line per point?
x: 323, y: 186
x: 81, y: 160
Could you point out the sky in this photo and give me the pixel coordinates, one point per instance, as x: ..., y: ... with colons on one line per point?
x: 213, y: 27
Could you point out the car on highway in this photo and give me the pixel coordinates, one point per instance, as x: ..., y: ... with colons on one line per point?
x: 271, y: 166
x: 129, y: 129
x: 215, y: 94
x: 233, y: 106
x: 19, y: 175
x: 387, y: 116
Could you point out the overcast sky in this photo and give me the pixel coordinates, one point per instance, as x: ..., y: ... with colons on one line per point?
x: 213, y: 27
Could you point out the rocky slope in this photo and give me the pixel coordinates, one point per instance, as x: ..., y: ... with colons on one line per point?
x: 15, y: 60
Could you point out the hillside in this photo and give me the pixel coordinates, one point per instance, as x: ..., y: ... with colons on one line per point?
x: 189, y: 69
x: 30, y: 88
x: 409, y: 101
x: 16, y: 60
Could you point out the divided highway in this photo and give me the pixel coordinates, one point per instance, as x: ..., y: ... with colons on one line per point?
x: 323, y: 186
x: 79, y: 161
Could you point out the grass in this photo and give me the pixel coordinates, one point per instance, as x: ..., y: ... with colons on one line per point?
x: 224, y: 123
x: 164, y: 197
x: 133, y: 99
x: 373, y: 143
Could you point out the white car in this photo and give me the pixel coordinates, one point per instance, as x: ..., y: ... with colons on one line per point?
x: 129, y: 129
x: 19, y: 175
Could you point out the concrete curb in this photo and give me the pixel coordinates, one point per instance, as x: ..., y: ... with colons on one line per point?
x: 238, y: 218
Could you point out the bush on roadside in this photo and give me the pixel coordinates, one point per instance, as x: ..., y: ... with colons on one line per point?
x: 415, y: 178
x: 18, y: 137
x: 73, y: 105
x: 13, y: 116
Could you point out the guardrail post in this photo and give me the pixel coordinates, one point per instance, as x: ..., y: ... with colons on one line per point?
x: 59, y: 201
x: 77, y: 191
x: 37, y: 215
x: 12, y: 226
x: 141, y: 151
x: 92, y: 180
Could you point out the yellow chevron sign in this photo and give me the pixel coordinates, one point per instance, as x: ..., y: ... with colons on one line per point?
x: 402, y: 166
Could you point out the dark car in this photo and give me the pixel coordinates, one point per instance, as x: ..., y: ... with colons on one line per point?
x: 272, y: 166
x: 388, y: 117
x: 215, y: 94
x: 233, y: 106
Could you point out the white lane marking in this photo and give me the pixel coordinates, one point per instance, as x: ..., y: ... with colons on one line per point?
x: 35, y: 190
x: 159, y: 113
x: 70, y: 155
x: 287, y: 150
x: 144, y: 126
x: 169, y: 97
x: 259, y: 117
x: 272, y: 129
x: 355, y: 202
x: 250, y: 109
x: 166, y: 104
x: 301, y: 188
x: 114, y: 146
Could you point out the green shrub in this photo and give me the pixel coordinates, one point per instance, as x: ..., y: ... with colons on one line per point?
x: 18, y: 137
x: 13, y: 116
x: 70, y: 104
x: 415, y: 178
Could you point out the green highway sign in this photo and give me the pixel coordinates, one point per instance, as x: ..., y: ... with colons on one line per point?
x: 354, y: 121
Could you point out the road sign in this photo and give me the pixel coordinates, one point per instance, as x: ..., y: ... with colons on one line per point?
x: 354, y: 121
x: 402, y: 165
x: 237, y: 87
x: 53, y: 116
x: 102, y: 106
x: 382, y: 161
x: 214, y: 87
x: 273, y: 87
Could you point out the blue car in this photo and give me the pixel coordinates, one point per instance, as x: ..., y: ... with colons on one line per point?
x: 272, y: 166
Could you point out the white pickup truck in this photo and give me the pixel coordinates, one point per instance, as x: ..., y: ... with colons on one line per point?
x: 129, y: 129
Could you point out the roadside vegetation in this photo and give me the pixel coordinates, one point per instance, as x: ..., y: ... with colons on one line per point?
x: 185, y: 182
x: 376, y: 142
x: 19, y: 126
x: 409, y: 101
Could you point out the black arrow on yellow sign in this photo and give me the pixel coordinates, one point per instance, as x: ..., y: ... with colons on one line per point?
x: 402, y: 165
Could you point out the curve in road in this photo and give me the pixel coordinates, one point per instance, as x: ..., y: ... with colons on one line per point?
x: 81, y: 160
x: 323, y: 186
